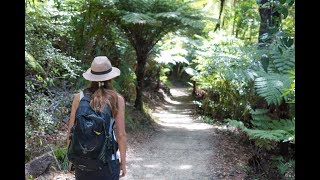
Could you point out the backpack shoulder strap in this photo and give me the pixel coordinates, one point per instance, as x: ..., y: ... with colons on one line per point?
x: 81, y: 95
x: 85, y: 94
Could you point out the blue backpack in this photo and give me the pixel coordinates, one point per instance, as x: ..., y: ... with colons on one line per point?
x: 92, y: 141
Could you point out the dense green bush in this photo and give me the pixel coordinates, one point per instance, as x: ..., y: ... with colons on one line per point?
x: 49, y: 77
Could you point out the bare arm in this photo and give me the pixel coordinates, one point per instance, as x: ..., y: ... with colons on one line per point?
x: 121, y: 134
x: 74, y: 107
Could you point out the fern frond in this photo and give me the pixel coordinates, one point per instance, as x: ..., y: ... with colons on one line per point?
x: 260, y: 119
x: 272, y: 130
x: 168, y: 15
x: 284, y: 61
x: 191, y: 22
x: 139, y: 18
x: 259, y: 112
x: 265, y: 143
x: 284, y: 124
x: 272, y: 86
x: 273, y: 135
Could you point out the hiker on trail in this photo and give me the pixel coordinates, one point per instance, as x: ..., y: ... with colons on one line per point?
x: 97, y: 112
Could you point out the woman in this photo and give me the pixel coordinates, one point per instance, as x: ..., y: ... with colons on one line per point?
x: 101, y: 74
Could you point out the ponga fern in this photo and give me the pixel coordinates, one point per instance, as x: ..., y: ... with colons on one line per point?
x: 168, y: 15
x: 265, y: 129
x: 272, y: 86
x: 139, y: 18
x: 278, y: 130
x: 284, y: 62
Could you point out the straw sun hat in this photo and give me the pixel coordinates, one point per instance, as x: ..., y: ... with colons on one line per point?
x: 101, y: 70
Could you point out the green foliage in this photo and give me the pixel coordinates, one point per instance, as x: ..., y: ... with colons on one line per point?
x: 222, y: 66
x: 278, y: 61
x: 271, y: 86
x: 245, y: 20
x: 61, y: 153
x: 125, y: 84
x: 279, y: 55
x: 42, y: 56
x: 137, y: 120
x: 266, y: 130
x: 281, y: 6
x: 156, y: 18
x: 157, y: 13
x: 32, y: 64
x: 285, y: 168
x: 208, y: 120
x: 130, y: 123
x: 290, y: 92
x: 30, y: 177
x: 164, y: 76
x: 138, y: 18
x: 37, y: 117
x: 43, y: 115
x: 47, y: 66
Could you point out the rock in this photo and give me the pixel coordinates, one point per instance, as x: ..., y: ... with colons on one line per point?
x: 39, y: 165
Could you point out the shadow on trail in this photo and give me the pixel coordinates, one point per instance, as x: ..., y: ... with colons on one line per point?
x: 184, y: 147
x: 180, y: 149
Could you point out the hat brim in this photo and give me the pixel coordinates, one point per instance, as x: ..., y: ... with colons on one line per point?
x: 103, y: 77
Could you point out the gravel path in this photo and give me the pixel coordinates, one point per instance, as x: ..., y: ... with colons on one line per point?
x: 184, y: 148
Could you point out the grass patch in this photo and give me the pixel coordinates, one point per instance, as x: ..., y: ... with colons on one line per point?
x: 137, y: 120
x: 208, y: 120
x: 61, y: 154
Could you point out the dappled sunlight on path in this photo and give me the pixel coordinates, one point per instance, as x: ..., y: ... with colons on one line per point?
x: 183, y: 148
x: 180, y: 150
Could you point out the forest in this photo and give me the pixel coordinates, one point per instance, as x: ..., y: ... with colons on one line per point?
x: 235, y: 58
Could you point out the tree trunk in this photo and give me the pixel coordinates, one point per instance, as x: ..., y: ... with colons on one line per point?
x: 141, y: 62
x: 244, y: 34
x: 194, y: 88
x: 221, y: 9
x: 158, y: 79
x: 265, y: 14
x: 178, y: 71
x: 234, y: 17
x: 250, y: 32
x: 276, y: 20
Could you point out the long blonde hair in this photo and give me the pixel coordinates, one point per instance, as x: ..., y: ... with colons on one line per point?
x: 103, y: 95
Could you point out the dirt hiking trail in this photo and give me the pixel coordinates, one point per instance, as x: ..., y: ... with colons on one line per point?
x: 184, y: 148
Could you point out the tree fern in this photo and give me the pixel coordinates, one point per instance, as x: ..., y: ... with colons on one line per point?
x: 168, y: 15
x: 277, y: 130
x: 277, y: 57
x: 139, y: 18
x: 272, y: 86
x: 267, y: 129
x: 273, y: 135
x: 261, y: 120
x: 191, y: 22
x: 283, y: 60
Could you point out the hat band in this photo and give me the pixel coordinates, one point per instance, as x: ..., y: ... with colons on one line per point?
x: 102, y: 72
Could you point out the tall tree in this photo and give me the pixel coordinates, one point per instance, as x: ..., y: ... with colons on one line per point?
x: 222, y: 2
x: 270, y: 17
x: 145, y: 22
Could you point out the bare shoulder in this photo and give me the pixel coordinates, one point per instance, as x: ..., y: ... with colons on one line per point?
x: 120, y: 97
x: 76, y: 98
x: 121, y: 101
